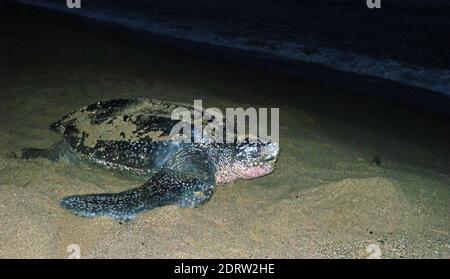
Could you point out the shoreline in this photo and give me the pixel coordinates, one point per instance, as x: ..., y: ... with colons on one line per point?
x: 395, y: 91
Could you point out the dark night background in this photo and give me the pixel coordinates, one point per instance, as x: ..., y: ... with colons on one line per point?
x: 406, y: 42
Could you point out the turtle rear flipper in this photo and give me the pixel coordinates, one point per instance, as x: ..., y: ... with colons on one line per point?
x: 33, y: 153
x: 53, y: 153
x: 166, y: 187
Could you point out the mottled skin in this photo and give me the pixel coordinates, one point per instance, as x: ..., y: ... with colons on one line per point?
x: 184, y: 174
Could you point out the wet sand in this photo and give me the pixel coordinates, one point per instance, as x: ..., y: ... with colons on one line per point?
x: 325, y: 199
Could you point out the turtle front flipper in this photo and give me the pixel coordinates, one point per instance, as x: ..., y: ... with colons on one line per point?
x: 187, y: 185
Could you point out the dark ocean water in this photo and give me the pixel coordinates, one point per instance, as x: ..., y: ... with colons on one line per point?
x: 406, y: 41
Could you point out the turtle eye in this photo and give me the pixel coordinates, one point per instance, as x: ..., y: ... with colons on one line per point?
x: 268, y: 158
x: 255, y: 150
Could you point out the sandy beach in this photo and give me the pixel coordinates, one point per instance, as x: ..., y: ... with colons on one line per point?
x: 327, y: 198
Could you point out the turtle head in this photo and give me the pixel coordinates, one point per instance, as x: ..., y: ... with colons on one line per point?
x: 250, y: 159
x: 255, y: 159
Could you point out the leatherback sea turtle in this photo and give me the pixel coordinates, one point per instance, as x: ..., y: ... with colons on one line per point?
x: 133, y: 135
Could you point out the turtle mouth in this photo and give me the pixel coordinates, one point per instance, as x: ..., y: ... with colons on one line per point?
x: 258, y: 171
